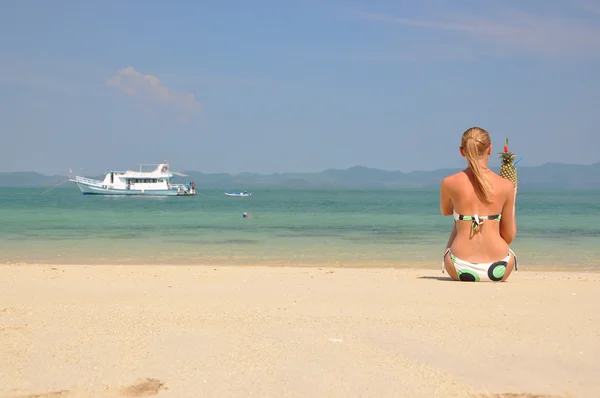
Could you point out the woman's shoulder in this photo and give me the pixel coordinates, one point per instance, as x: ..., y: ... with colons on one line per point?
x: 501, y: 182
x: 455, y: 178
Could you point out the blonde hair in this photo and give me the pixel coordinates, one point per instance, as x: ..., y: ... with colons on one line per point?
x: 475, y: 142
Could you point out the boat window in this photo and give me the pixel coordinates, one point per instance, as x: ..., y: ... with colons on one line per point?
x: 144, y: 180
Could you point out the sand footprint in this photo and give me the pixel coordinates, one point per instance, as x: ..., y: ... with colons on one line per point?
x: 145, y: 388
x: 52, y: 394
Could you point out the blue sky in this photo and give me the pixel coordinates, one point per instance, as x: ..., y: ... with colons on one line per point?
x: 295, y: 86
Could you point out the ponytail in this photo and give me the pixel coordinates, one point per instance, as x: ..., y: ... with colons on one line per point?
x: 482, y: 185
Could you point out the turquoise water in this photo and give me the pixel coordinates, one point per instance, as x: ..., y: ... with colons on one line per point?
x: 329, y: 227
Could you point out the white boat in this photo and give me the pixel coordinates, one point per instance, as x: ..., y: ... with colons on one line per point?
x: 148, y: 183
x: 238, y: 194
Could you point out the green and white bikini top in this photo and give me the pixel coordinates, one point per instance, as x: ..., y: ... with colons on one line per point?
x: 476, y: 220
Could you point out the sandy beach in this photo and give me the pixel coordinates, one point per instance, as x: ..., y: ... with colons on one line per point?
x: 218, y: 331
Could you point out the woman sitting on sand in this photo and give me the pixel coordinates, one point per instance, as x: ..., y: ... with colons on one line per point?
x: 483, y: 205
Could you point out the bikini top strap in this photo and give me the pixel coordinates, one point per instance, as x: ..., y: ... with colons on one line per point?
x: 476, y: 220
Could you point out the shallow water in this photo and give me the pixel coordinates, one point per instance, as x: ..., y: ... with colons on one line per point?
x: 353, y: 227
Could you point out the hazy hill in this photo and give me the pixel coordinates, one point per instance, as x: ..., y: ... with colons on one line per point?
x: 547, y: 176
x: 28, y: 179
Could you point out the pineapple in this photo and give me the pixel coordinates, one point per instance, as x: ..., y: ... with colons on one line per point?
x: 508, y: 169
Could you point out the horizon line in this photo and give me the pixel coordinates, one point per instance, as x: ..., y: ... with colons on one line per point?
x: 322, y: 171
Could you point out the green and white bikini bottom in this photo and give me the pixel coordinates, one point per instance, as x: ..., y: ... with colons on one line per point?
x: 476, y: 272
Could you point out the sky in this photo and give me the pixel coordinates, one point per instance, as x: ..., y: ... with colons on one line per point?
x: 294, y: 86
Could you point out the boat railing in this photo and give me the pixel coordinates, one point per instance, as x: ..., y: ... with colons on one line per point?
x: 182, y: 188
x: 86, y: 180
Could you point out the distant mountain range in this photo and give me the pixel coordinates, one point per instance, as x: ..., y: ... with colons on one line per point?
x: 547, y: 176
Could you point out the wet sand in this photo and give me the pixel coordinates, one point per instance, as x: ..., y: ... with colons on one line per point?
x: 218, y: 331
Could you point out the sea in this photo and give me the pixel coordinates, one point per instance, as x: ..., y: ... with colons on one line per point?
x: 290, y: 227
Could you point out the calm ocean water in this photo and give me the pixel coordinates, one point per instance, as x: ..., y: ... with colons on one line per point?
x: 330, y: 227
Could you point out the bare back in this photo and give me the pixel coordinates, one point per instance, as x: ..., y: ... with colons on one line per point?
x: 490, y: 240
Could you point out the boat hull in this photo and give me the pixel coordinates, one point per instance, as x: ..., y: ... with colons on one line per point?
x: 89, y: 189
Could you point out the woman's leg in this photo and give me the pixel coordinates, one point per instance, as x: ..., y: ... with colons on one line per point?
x: 449, y: 266
x: 512, y: 261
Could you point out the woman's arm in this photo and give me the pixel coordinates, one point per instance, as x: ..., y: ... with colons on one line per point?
x: 508, y: 222
x: 452, y: 236
x: 446, y: 207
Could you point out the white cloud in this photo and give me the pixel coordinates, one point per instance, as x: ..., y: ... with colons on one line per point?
x: 588, y: 6
x: 134, y: 84
x: 508, y: 31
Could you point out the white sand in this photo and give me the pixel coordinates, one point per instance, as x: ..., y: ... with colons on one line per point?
x: 93, y: 331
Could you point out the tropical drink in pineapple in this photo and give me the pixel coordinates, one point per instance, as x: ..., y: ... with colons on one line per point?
x: 507, y: 167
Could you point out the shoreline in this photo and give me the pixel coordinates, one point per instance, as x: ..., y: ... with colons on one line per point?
x: 416, y: 266
x: 228, y: 331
